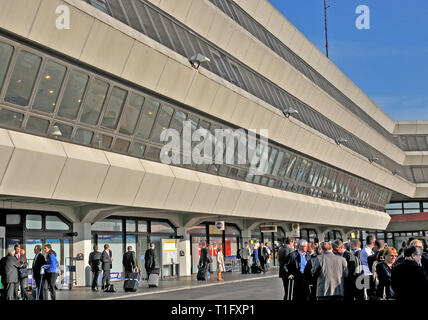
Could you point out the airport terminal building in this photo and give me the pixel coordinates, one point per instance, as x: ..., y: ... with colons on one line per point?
x: 83, y: 107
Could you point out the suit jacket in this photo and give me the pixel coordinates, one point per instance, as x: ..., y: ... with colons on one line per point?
x: 205, y: 258
x: 293, y: 264
x: 282, y: 256
x: 330, y: 271
x: 11, y: 269
x: 409, y: 281
x: 129, y: 261
x: 350, y: 260
x: 149, y: 259
x: 95, y: 261
x: 105, y: 260
x: 37, y: 265
x: 263, y: 254
x: 245, y: 253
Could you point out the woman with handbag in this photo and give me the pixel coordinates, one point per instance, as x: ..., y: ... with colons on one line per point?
x: 51, y: 267
x: 220, y: 263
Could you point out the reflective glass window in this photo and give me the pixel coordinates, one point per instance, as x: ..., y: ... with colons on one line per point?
x: 272, y: 159
x: 23, y: 78
x: 73, y: 95
x: 107, y: 225
x: 137, y: 149
x: 290, y: 166
x: 142, y: 226
x: 131, y: 114
x: 177, y: 121
x: 65, y: 130
x: 130, y: 225
x: 162, y: 123
x: 13, y: 219
x: 102, y: 141
x: 152, y: 153
x: 277, y: 163
x: 114, y: 108
x: 49, y: 87
x: 302, y: 170
x: 161, y: 227
x: 33, y: 221
x: 94, y: 102
x: 121, y: 146
x: 83, y: 136
x: 284, y: 165
x: 37, y: 125
x: 150, y: 109
x: 55, y: 223
x: 411, y: 205
x: 5, y: 55
x: 10, y: 119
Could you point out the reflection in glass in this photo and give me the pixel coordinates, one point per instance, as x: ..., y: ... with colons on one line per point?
x: 94, y: 102
x: 114, y: 108
x: 49, y: 87
x: 102, y: 141
x: 23, y: 78
x: 150, y: 109
x: 131, y: 114
x: 73, y: 95
x: 162, y: 123
x: 65, y: 130
x: 33, y: 221
x: 5, y: 55
x: 37, y: 125
x: 55, y: 223
x: 121, y: 146
x: 11, y: 119
x: 83, y: 136
x: 137, y: 149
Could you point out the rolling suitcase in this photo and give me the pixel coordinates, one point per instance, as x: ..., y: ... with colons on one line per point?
x: 290, y: 291
x: 255, y: 268
x: 202, y: 274
x: 31, y: 294
x: 153, y: 280
x: 131, y: 283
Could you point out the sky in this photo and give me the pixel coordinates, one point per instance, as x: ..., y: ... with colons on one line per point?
x: 389, y: 61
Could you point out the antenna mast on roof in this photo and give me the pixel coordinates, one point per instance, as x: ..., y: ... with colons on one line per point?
x: 325, y: 22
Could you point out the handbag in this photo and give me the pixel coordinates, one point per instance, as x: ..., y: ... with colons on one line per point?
x: 23, y: 273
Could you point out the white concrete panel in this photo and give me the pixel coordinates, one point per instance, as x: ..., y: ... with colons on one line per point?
x: 200, y: 17
x: 34, y: 166
x: 18, y: 16
x: 177, y: 9
x: 261, y: 119
x: 263, y: 12
x: 239, y: 43
x: 246, y: 199
x: 221, y: 29
x: 83, y: 175
x: 175, y: 80
x: 228, y: 197
x: 224, y: 104
x: 103, y: 38
x: 156, y: 185
x: 288, y: 31
x: 144, y: 66
x: 67, y: 41
x: 244, y: 112
x: 275, y: 22
x: 183, y: 190
x: 123, y: 180
x: 249, y: 6
x: 262, y: 202
x: 207, y: 194
x: 255, y: 55
x: 202, y: 93
x: 6, y: 150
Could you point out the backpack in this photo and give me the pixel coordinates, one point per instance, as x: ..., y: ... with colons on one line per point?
x: 358, y: 265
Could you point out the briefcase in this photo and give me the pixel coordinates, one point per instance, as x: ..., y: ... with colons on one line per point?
x: 22, y: 273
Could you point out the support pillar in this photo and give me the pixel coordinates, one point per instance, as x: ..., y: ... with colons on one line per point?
x: 185, y: 262
x: 82, y: 244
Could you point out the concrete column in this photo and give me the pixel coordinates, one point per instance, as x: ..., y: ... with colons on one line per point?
x: 185, y: 262
x: 82, y: 244
x: 246, y: 236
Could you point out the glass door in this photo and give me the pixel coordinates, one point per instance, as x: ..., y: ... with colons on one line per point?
x: 29, y: 252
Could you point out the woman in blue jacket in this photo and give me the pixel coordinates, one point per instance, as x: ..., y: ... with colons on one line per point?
x: 50, y: 269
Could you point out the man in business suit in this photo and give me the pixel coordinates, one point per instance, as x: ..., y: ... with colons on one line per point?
x: 11, y: 270
x: 330, y: 271
x: 38, y: 262
x: 283, y: 252
x: 95, y: 264
x: 295, y: 264
x: 339, y: 250
x: 106, y: 260
x: 129, y: 262
x: 149, y: 259
x: 22, y: 259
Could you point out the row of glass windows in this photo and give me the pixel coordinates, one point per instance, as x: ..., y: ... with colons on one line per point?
x: 96, y: 112
x: 37, y: 222
x: 406, y: 207
x: 132, y: 225
x: 237, y: 14
x: 150, y: 20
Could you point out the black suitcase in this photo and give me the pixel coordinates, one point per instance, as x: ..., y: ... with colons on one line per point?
x: 31, y: 294
x: 202, y: 274
x: 131, y: 283
x: 256, y: 268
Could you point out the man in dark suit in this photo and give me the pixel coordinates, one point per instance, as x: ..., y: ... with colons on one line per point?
x: 3, y: 277
x: 295, y: 264
x: 149, y: 259
x: 38, y: 262
x: 283, y: 252
x: 95, y: 264
x: 106, y: 260
x: 11, y: 270
x: 129, y: 262
x: 339, y: 250
x: 263, y: 257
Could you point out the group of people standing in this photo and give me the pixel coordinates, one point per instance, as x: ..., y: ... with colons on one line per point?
x: 102, y: 262
x: 257, y: 258
x: 14, y: 273
x: 335, y: 271
x: 205, y: 261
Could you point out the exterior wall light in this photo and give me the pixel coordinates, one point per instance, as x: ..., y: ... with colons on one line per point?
x: 56, y: 132
x: 197, y: 59
x: 395, y: 171
x: 289, y: 111
x: 340, y: 141
x: 373, y: 159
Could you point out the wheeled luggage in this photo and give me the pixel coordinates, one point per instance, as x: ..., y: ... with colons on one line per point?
x: 202, y: 273
x: 255, y: 268
x: 132, y: 282
x: 31, y: 293
x: 290, y: 291
x: 153, y: 280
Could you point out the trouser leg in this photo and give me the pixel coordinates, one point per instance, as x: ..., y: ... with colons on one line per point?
x: 95, y: 279
x: 106, y: 278
x: 23, y: 285
x: 11, y: 291
x: 52, y: 283
x: 46, y: 280
x: 285, y: 284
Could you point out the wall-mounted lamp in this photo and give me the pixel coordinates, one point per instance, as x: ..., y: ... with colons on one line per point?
x: 340, y: 141
x: 395, y: 171
x: 289, y: 111
x: 197, y: 59
x: 373, y: 159
x: 55, y: 132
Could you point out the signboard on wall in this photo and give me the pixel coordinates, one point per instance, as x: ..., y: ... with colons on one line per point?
x: 268, y: 228
x: 213, y: 230
x: 170, y: 252
x: 219, y: 225
x: 295, y: 230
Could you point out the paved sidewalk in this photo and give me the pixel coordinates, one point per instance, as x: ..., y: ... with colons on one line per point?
x: 165, y: 285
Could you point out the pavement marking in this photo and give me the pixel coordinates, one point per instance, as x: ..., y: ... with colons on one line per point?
x: 186, y: 288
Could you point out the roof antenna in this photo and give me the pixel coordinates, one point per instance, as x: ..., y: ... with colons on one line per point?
x: 325, y: 22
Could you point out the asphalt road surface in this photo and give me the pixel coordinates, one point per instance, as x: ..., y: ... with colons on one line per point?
x: 260, y: 289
